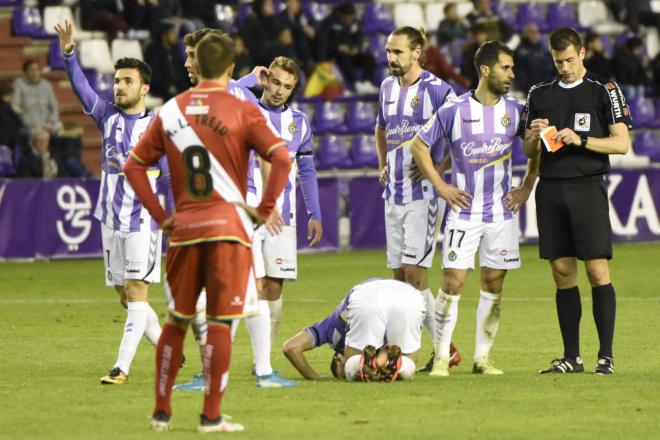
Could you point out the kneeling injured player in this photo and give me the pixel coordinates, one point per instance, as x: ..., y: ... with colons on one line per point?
x: 375, y: 333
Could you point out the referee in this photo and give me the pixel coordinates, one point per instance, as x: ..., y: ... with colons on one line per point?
x: 592, y: 120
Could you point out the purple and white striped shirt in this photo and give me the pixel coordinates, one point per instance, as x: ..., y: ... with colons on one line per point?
x: 402, y: 111
x: 292, y: 126
x: 117, y: 206
x: 480, y: 140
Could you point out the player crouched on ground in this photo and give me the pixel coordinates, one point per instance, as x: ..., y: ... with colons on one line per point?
x: 373, y: 314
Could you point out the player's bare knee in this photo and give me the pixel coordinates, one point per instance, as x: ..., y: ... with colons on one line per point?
x: 492, y: 280
x: 452, y: 285
x: 564, y: 271
x: 415, y: 276
x: 272, y: 290
x: 136, y: 290
x: 598, y: 272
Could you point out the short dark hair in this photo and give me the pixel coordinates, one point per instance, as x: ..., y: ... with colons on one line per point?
x: 6, y: 89
x: 214, y: 54
x: 134, y: 63
x: 345, y: 8
x: 28, y: 63
x: 563, y: 37
x: 489, y: 52
x: 447, y: 7
x: 193, y: 38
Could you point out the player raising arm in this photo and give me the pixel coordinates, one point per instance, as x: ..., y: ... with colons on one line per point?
x: 207, y: 134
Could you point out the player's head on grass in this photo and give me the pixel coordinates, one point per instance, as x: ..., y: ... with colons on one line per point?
x: 214, y: 58
x: 567, y: 52
x: 406, y: 48
x: 131, y: 84
x: 190, y: 41
x: 283, y: 75
x: 494, y: 62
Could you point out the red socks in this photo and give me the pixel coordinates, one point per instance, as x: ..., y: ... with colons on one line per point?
x: 169, y: 354
x: 217, y: 354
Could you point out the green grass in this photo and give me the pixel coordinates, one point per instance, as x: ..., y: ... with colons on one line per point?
x: 60, y: 330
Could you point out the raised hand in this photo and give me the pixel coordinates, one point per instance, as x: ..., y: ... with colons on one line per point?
x: 65, y: 32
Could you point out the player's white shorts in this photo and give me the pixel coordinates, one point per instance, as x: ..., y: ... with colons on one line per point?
x: 258, y: 251
x: 131, y: 256
x: 385, y: 317
x: 411, y: 232
x: 497, y: 242
x: 280, y: 254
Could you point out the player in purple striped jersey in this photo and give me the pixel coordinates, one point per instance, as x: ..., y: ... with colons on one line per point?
x: 278, y: 241
x: 259, y: 324
x: 374, y: 313
x: 131, y: 239
x: 480, y: 127
x: 408, y: 99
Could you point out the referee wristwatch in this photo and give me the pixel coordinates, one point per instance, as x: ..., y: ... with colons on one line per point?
x: 583, y: 140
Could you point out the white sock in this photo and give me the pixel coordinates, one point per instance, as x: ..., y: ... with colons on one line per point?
x: 275, y: 314
x: 152, y: 331
x: 429, y: 318
x: 352, y: 368
x: 136, y: 322
x: 200, y: 328
x: 488, y: 320
x: 408, y: 368
x: 446, y: 316
x: 259, y: 329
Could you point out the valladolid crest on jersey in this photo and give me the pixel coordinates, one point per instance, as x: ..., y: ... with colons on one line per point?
x: 506, y: 121
x: 414, y: 102
x: 292, y: 128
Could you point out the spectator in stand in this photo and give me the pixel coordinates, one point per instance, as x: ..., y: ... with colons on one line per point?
x: 303, y: 26
x: 451, y: 27
x: 164, y: 56
x: 483, y: 15
x: 265, y: 36
x: 595, y: 59
x: 532, y: 60
x: 655, y: 72
x: 639, y: 12
x: 12, y: 131
x: 103, y: 15
x: 340, y: 40
x: 630, y: 67
x: 66, y: 150
x: 37, y: 161
x: 437, y: 64
x: 201, y: 13
x: 34, y: 99
x: 478, y: 36
x: 243, y: 63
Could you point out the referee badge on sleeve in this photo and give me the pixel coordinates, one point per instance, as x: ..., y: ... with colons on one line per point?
x: 582, y: 122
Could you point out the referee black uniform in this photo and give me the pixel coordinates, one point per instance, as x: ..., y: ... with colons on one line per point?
x: 571, y: 201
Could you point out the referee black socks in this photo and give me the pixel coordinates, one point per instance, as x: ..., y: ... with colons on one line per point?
x: 604, y: 308
x: 569, y: 312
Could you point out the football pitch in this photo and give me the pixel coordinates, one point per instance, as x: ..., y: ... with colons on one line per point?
x: 61, y: 328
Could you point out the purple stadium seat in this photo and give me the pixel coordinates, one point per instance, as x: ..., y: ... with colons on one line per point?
x: 333, y: 153
x: 26, y: 22
x: 378, y: 18
x: 55, y: 58
x: 7, y: 168
x: 11, y: 2
x: 329, y: 118
x: 647, y: 143
x: 360, y: 117
x: 363, y: 151
x: 642, y: 111
x: 377, y: 44
x: 563, y: 15
x: 532, y: 13
x: 507, y: 13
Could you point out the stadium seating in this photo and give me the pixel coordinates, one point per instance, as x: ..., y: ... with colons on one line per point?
x: 563, y: 14
x: 409, y: 14
x: 58, y: 14
x: 126, y: 48
x: 360, y: 117
x: 507, y: 13
x: 363, y: 151
x: 55, y: 57
x: 317, y: 10
x: 434, y: 13
x: 532, y: 13
x: 96, y: 55
x: 377, y: 18
x: 329, y: 118
x: 7, y: 168
x: 642, y: 111
x: 332, y: 153
x: 647, y: 143
x: 377, y: 44
x: 26, y: 22
x: 593, y: 14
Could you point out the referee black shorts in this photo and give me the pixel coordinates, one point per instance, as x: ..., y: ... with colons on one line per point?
x: 573, y: 219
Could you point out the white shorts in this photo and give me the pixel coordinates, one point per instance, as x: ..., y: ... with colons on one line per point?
x: 131, y: 256
x: 411, y: 232
x: 385, y: 316
x: 258, y: 251
x: 280, y: 254
x: 497, y: 242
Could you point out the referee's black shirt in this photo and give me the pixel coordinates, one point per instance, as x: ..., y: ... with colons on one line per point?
x: 588, y: 106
